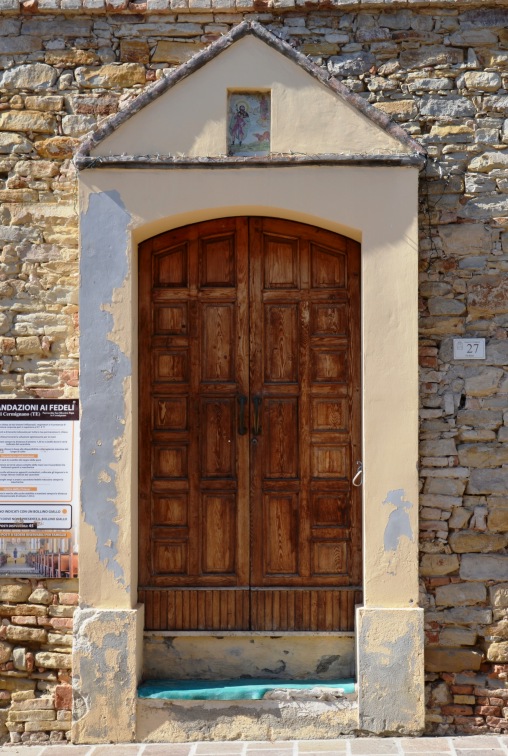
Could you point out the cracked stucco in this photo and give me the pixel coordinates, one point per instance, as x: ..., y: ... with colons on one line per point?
x: 391, y: 642
x: 105, y: 371
x: 105, y: 675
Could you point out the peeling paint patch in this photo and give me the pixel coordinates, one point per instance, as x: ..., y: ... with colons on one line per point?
x: 399, y: 523
x: 390, y: 677
x: 104, y: 676
x: 104, y: 227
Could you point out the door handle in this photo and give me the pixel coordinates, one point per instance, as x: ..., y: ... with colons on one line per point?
x: 256, y: 400
x: 358, y: 478
x: 242, y: 403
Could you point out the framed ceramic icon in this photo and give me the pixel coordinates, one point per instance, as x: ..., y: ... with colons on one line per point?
x: 248, y: 124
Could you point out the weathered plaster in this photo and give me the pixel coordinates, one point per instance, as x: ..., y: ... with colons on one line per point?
x: 286, y: 657
x: 106, y: 672
x: 187, y: 721
x: 390, y: 670
x: 399, y: 524
x: 106, y: 451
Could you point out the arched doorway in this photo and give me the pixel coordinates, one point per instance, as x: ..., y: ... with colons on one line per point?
x: 249, y: 372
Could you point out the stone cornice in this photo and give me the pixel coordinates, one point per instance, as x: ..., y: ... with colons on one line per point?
x: 101, y: 7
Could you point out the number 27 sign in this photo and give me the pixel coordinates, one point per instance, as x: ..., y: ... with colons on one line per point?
x: 468, y: 349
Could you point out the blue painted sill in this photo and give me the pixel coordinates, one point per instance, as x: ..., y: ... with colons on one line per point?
x: 231, y: 690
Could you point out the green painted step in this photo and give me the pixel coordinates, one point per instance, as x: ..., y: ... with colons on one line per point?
x: 231, y: 690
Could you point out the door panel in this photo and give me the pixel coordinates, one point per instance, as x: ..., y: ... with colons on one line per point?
x: 193, y: 363
x: 249, y: 406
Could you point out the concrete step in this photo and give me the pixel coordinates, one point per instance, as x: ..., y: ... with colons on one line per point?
x: 321, y: 712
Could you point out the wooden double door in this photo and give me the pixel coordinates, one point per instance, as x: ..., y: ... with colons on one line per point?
x: 249, y: 427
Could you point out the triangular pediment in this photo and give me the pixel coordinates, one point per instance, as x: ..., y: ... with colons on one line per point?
x: 187, y: 115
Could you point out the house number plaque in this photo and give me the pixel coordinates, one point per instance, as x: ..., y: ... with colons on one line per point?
x: 468, y: 349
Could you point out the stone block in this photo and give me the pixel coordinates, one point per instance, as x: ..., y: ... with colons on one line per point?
x: 497, y: 520
x: 57, y: 27
x: 19, y: 658
x: 484, y: 208
x: 61, y: 611
x: 400, y: 110
x: 59, y: 147
x: 31, y: 716
x: 466, y: 541
x: 465, y: 240
x: 499, y: 595
x: 111, y: 75
x: 451, y: 106
x: 14, y: 144
x: 47, y: 725
x: 497, y: 103
x: 430, y: 56
x: 484, y: 567
x: 460, y: 594
x: 498, y: 652
x: 351, y: 64
x: 489, y: 419
x: 460, y: 518
x: 14, y: 593
x: 445, y: 306
x: 22, y: 610
x: 441, y: 326
x: 33, y: 76
x: 496, y: 159
x: 471, y: 616
x: 49, y: 103
x: 440, y: 502
x: 485, y: 294
x: 483, y: 381
x: 480, y: 81
x: 175, y: 53
x: 457, y: 636
x: 68, y: 599
x: 70, y: 58
x: 452, y: 659
x: 77, y: 125
x: 5, y: 651
x: 16, y: 684
x: 25, y: 120
x: 435, y: 565
x: 26, y: 634
x: 473, y: 38
x: 440, y: 447
x: 20, y: 45
x: 453, y: 487
x: 482, y: 455
x: 488, y: 481
x: 51, y: 660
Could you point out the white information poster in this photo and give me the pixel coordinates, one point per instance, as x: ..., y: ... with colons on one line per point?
x: 39, y: 486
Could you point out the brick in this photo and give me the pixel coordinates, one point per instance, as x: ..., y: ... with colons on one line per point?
x: 68, y: 599
x: 63, y: 697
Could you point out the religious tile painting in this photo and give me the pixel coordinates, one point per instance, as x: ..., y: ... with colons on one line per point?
x: 248, y: 124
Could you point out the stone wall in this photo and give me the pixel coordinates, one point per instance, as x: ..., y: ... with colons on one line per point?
x: 35, y: 659
x: 441, y: 71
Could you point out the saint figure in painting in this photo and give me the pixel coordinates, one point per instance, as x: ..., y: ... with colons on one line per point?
x: 237, y: 126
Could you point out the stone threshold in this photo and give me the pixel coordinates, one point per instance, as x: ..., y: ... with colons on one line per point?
x: 248, y: 689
